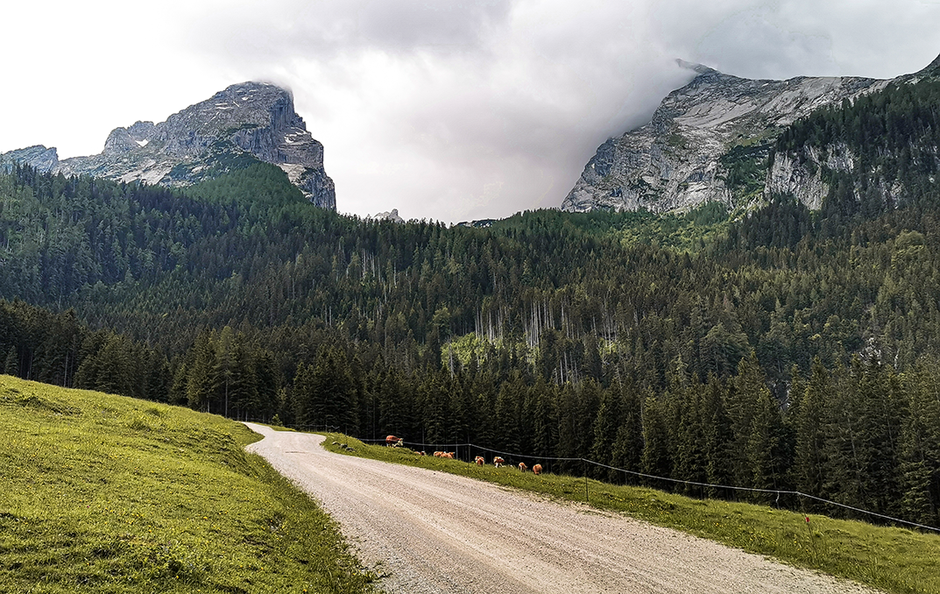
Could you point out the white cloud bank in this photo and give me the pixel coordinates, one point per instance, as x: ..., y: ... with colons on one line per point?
x: 447, y: 110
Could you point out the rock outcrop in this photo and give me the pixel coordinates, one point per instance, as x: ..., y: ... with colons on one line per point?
x: 391, y: 215
x: 244, y: 123
x: 806, y: 172
x: 42, y: 158
x: 706, y: 141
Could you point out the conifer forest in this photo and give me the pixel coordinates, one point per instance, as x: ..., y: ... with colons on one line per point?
x: 772, y: 347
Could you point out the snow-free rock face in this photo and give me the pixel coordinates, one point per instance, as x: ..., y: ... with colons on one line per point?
x: 805, y: 172
x: 244, y: 122
x: 803, y: 178
x: 391, y: 215
x: 42, y: 158
x: 701, y: 138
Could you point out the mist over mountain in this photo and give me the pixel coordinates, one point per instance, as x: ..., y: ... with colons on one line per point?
x: 713, y: 140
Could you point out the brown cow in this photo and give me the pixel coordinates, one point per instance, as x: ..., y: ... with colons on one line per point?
x: 498, y: 461
x: 523, y: 467
x: 394, y: 442
x: 537, y: 469
x: 480, y: 461
x: 448, y: 455
x: 438, y: 454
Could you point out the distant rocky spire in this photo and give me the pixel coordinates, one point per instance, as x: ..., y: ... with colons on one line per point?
x: 244, y: 123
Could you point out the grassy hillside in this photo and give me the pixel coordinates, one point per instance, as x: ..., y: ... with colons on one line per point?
x: 890, y: 559
x: 102, y: 493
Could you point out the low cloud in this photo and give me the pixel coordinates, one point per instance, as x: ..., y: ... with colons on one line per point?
x: 451, y: 109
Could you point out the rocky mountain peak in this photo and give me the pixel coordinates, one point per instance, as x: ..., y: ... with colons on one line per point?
x: 391, y: 215
x: 123, y: 140
x: 699, y: 133
x: 695, y: 67
x: 38, y: 156
x: 932, y: 69
x: 244, y: 123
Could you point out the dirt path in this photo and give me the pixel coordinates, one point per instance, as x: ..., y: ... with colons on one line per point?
x: 432, y: 532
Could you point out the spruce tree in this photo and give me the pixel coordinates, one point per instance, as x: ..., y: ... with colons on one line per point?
x: 719, y: 438
x: 920, y: 446
x: 606, y: 425
x: 655, y: 459
x: 810, y: 424
x: 202, y: 381
x: 11, y: 365
x: 628, y: 444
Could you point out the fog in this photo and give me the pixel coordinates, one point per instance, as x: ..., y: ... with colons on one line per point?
x: 447, y: 110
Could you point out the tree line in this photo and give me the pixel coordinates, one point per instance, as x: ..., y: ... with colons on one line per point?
x: 785, y: 347
x: 859, y: 434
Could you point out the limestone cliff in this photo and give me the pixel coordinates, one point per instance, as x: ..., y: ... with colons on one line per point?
x: 710, y: 141
x: 245, y: 122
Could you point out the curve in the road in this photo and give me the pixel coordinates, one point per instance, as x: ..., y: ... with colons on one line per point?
x: 431, y: 532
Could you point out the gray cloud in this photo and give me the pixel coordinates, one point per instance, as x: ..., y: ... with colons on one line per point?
x: 454, y: 110
x: 282, y: 29
x: 444, y: 109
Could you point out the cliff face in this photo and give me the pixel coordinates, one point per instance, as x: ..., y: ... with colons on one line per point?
x: 709, y: 141
x: 244, y: 122
x: 42, y: 158
x: 882, y: 164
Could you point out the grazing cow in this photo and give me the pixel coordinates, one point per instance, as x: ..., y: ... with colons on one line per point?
x: 537, y: 469
x: 449, y: 455
x: 498, y: 461
x: 480, y: 461
x: 394, y: 442
x: 438, y: 454
x: 523, y: 467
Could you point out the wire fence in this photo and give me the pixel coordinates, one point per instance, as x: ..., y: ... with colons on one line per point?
x: 468, y: 448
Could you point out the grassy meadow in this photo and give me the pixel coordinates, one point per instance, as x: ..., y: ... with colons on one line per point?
x: 891, y: 559
x: 106, y: 494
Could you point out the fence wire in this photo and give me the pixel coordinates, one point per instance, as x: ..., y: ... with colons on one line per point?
x: 777, y: 492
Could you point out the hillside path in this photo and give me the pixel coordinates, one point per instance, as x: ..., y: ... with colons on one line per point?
x: 430, y: 532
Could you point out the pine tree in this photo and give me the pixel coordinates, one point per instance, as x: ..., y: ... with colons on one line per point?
x: 508, y: 417
x: 920, y: 447
x: 223, y: 368
x: 606, y: 425
x: 655, y: 459
x: 810, y: 425
x: 765, y: 447
x: 11, y: 365
x: 719, y: 438
x: 628, y: 445
x: 202, y: 381
x: 743, y: 403
x: 435, y: 407
x: 690, y: 458
x: 568, y: 429
x: 544, y: 419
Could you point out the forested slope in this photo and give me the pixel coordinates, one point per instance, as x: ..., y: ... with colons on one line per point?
x: 776, y: 348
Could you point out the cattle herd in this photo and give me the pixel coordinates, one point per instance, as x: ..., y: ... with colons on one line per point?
x: 396, y: 442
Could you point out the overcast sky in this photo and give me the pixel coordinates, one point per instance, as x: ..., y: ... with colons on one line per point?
x: 445, y: 109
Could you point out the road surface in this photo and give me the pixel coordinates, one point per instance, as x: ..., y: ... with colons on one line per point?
x: 430, y: 532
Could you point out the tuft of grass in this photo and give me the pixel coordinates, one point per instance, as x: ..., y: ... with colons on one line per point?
x: 103, y: 493
x: 892, y: 559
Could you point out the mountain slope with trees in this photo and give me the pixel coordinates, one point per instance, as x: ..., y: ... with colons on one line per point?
x: 783, y: 348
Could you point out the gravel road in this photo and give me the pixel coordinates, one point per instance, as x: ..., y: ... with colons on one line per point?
x: 430, y: 532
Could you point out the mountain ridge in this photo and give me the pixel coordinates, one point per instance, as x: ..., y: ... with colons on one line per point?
x: 708, y: 142
x: 242, y: 124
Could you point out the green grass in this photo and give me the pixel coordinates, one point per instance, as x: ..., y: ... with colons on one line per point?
x: 891, y: 559
x: 101, y: 493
